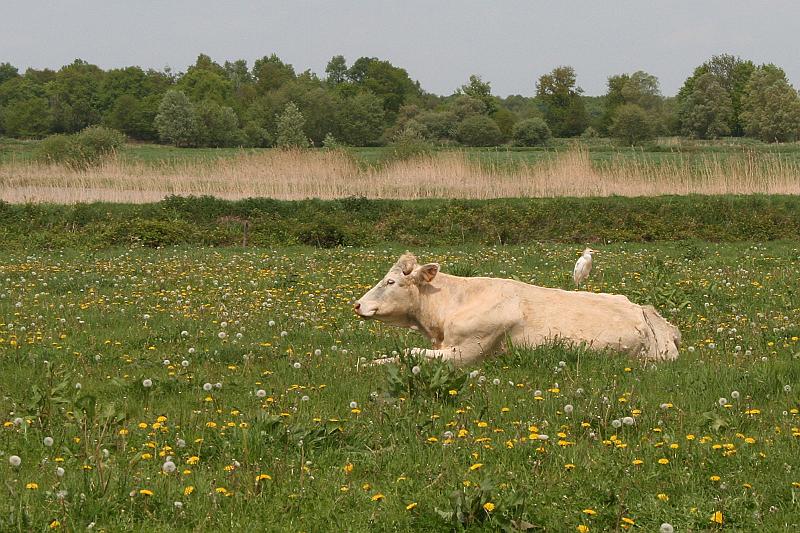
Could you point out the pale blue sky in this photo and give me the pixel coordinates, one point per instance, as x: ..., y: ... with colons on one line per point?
x: 440, y: 43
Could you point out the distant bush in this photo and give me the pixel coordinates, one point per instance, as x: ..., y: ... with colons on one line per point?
x: 410, y: 143
x: 531, y: 132
x: 631, y: 125
x: 479, y: 130
x: 82, y: 149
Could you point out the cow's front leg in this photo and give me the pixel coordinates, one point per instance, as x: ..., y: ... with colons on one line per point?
x: 458, y: 355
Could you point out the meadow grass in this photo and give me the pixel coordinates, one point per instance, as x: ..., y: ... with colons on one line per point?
x: 260, y: 424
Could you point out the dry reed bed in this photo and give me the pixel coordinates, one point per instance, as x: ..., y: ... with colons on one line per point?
x: 326, y: 175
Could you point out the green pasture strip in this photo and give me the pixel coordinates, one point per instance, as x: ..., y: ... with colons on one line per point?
x: 362, y: 222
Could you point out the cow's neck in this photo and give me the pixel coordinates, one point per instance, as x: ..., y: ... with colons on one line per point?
x: 432, y: 312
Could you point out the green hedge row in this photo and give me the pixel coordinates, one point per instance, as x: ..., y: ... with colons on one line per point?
x: 363, y: 222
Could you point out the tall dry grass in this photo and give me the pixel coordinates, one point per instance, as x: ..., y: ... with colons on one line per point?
x: 329, y: 174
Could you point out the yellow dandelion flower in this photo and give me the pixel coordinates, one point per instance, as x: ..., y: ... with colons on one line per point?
x: 411, y: 506
x: 262, y: 477
x: 145, y: 492
x: 488, y: 507
x: 663, y: 461
x: 32, y: 486
x: 714, y: 478
x: 348, y: 468
x: 663, y: 497
x: 476, y: 466
x: 627, y: 520
x: 569, y: 466
x: 193, y: 460
x: 717, y: 517
x: 188, y: 490
x: 590, y: 512
x: 582, y: 529
x: 54, y: 524
x: 377, y: 497
x: 638, y: 462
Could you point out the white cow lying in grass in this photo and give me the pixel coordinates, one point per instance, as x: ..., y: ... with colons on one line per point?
x: 467, y: 319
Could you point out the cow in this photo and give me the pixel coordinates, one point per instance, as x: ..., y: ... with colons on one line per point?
x: 469, y: 319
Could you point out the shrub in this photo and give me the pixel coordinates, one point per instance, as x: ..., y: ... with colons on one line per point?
x: 410, y: 143
x: 80, y: 150
x: 479, y: 130
x: 631, y: 124
x: 531, y: 132
x: 56, y: 149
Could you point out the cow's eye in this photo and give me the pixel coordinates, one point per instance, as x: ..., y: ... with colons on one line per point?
x: 390, y: 282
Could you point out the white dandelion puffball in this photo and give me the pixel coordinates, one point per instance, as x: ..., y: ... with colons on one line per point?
x: 735, y: 395
x: 47, y: 441
x: 271, y: 323
x: 416, y: 370
x: 14, y: 461
x: 222, y: 334
x: 666, y: 528
x: 495, y: 381
x: 168, y: 467
x: 722, y: 401
x: 616, y: 423
x: 353, y: 405
x: 568, y: 409
x: 317, y: 352
x: 628, y: 421
x: 261, y: 393
x: 218, y: 385
x: 296, y: 364
x: 207, y: 387
x: 147, y: 383
x: 184, y: 333
x: 146, y: 316
x: 184, y: 363
x: 60, y: 472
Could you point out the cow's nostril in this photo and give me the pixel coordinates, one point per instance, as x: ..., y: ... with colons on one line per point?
x: 357, y: 306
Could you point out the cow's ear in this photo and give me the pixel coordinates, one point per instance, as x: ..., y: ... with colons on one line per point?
x: 406, y: 263
x: 427, y: 272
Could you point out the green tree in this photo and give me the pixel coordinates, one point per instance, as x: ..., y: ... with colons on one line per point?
x: 480, y: 90
x: 732, y: 74
x: 392, y: 84
x: 640, y: 89
x: 336, y: 70
x: 74, y: 96
x: 290, y: 132
x: 479, y: 130
x: 706, y: 112
x: 505, y: 120
x: 26, y: 117
x: 24, y: 108
x: 564, y: 110
x: 531, y: 132
x: 271, y: 73
x: 176, y: 122
x: 217, y: 125
x: 238, y: 74
x: 631, y: 124
x: 361, y: 120
x: 202, y: 85
x: 771, y: 107
x: 7, y: 72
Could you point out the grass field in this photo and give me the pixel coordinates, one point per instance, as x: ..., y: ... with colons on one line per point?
x: 198, y: 389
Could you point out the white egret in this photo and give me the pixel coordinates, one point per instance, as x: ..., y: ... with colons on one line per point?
x: 583, y: 267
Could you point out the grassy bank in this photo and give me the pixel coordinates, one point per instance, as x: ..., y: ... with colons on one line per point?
x: 362, y: 222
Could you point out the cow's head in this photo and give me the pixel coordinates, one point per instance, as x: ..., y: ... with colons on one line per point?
x: 395, y: 299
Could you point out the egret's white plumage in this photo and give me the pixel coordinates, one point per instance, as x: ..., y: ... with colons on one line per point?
x: 583, y: 267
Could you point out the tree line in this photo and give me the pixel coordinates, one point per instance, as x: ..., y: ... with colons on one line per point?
x: 372, y: 102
